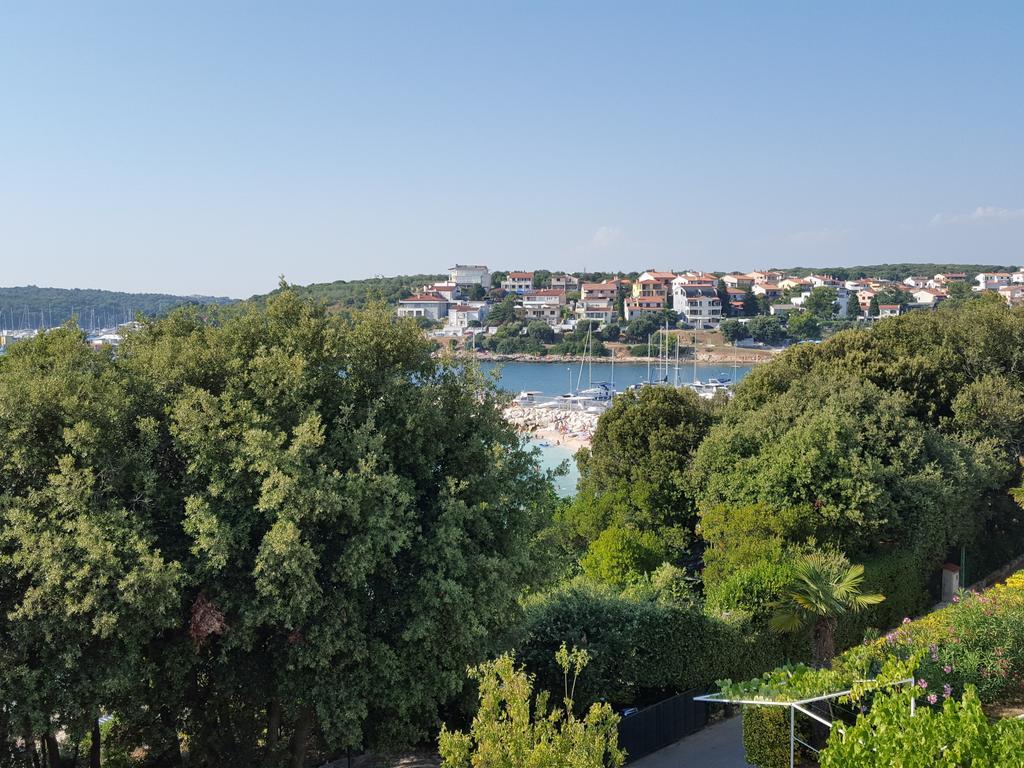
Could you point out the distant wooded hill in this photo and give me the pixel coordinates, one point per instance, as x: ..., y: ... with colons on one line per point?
x: 896, y: 271
x: 352, y: 294
x: 33, y: 307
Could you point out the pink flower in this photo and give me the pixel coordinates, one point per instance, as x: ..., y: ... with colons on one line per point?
x: 932, y: 698
x: 956, y: 598
x: 922, y: 683
x: 947, y: 669
x: 906, y: 619
x: 947, y: 690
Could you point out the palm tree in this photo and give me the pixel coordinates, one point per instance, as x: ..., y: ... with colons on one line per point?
x: 825, y: 586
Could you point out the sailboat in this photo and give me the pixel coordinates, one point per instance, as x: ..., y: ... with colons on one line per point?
x: 595, y: 392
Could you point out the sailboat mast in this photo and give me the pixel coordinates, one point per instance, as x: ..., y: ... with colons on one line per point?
x: 648, y: 358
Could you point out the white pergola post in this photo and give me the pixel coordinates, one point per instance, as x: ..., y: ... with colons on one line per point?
x: 792, y: 737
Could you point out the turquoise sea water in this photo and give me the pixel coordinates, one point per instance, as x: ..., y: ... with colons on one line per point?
x: 554, y: 379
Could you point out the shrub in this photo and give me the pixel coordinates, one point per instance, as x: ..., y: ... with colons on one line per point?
x: 766, y: 736
x: 640, y: 650
x: 953, y: 735
x: 621, y: 555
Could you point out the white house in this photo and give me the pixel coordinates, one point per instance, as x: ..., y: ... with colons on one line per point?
x: 991, y: 281
x: 637, y: 306
x: 565, y: 282
x: 518, y: 282
x: 424, y: 305
x: 928, y: 296
x: 544, y: 305
x: 601, y: 310
x: 607, y: 291
x: 1017, y: 277
x: 916, y: 281
x: 824, y: 281
x: 460, y: 316
x: 699, y: 306
x: 889, y: 310
x: 450, y: 291
x: 1013, y: 293
x: 470, y: 274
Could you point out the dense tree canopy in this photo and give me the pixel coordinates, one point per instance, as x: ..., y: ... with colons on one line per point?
x: 891, y: 437
x: 292, y: 531
x: 634, y: 475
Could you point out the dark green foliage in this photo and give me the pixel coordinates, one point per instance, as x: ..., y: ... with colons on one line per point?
x: 821, y: 302
x: 570, y: 346
x: 637, y: 331
x: 803, y: 325
x: 347, y: 295
x: 766, y: 329
x: 734, y: 330
x: 503, y: 312
x: 640, y: 650
x: 635, y: 472
x: 33, y: 307
x: 270, y: 514
x: 541, y: 331
x: 891, y: 443
x: 766, y: 736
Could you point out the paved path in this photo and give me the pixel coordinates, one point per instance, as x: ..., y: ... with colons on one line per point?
x: 717, y: 746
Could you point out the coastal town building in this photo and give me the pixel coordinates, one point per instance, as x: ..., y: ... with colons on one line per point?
x: 699, y: 306
x: 889, y: 310
x: 467, y: 275
x: 703, y: 279
x: 607, y: 291
x: 596, y: 309
x: 943, y: 279
x: 991, y: 281
x: 449, y: 291
x: 738, y: 281
x: 638, y: 306
x: 770, y: 291
x: 1013, y: 294
x: 463, y: 316
x: 652, y: 284
x: 518, y: 282
x: 544, y: 305
x: 565, y: 282
x: 429, y: 306
x: 928, y: 297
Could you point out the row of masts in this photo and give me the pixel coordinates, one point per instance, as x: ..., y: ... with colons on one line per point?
x: 26, y: 319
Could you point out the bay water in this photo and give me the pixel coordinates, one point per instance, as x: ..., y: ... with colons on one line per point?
x: 558, y: 378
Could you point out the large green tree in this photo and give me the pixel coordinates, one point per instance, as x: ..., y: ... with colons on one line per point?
x: 84, y: 584
x: 634, y: 474
x: 286, y: 531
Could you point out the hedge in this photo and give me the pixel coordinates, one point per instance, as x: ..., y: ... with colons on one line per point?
x: 641, y: 651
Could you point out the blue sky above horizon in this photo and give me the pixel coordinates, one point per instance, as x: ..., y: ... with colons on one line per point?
x: 208, y: 147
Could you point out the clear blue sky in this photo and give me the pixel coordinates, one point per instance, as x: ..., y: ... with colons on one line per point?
x: 207, y: 147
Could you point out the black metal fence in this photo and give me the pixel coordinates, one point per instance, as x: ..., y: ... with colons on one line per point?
x: 661, y: 724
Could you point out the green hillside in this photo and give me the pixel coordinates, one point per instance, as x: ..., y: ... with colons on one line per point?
x: 30, y: 306
x: 353, y: 294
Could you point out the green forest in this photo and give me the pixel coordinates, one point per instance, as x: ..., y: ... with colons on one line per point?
x: 33, y: 307
x: 346, y: 295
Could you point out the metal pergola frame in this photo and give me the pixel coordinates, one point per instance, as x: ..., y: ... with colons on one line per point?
x: 800, y: 705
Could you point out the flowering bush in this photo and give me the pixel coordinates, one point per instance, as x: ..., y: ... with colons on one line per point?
x: 975, y: 645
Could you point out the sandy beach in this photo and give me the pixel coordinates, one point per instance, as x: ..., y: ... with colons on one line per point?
x: 570, y: 429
